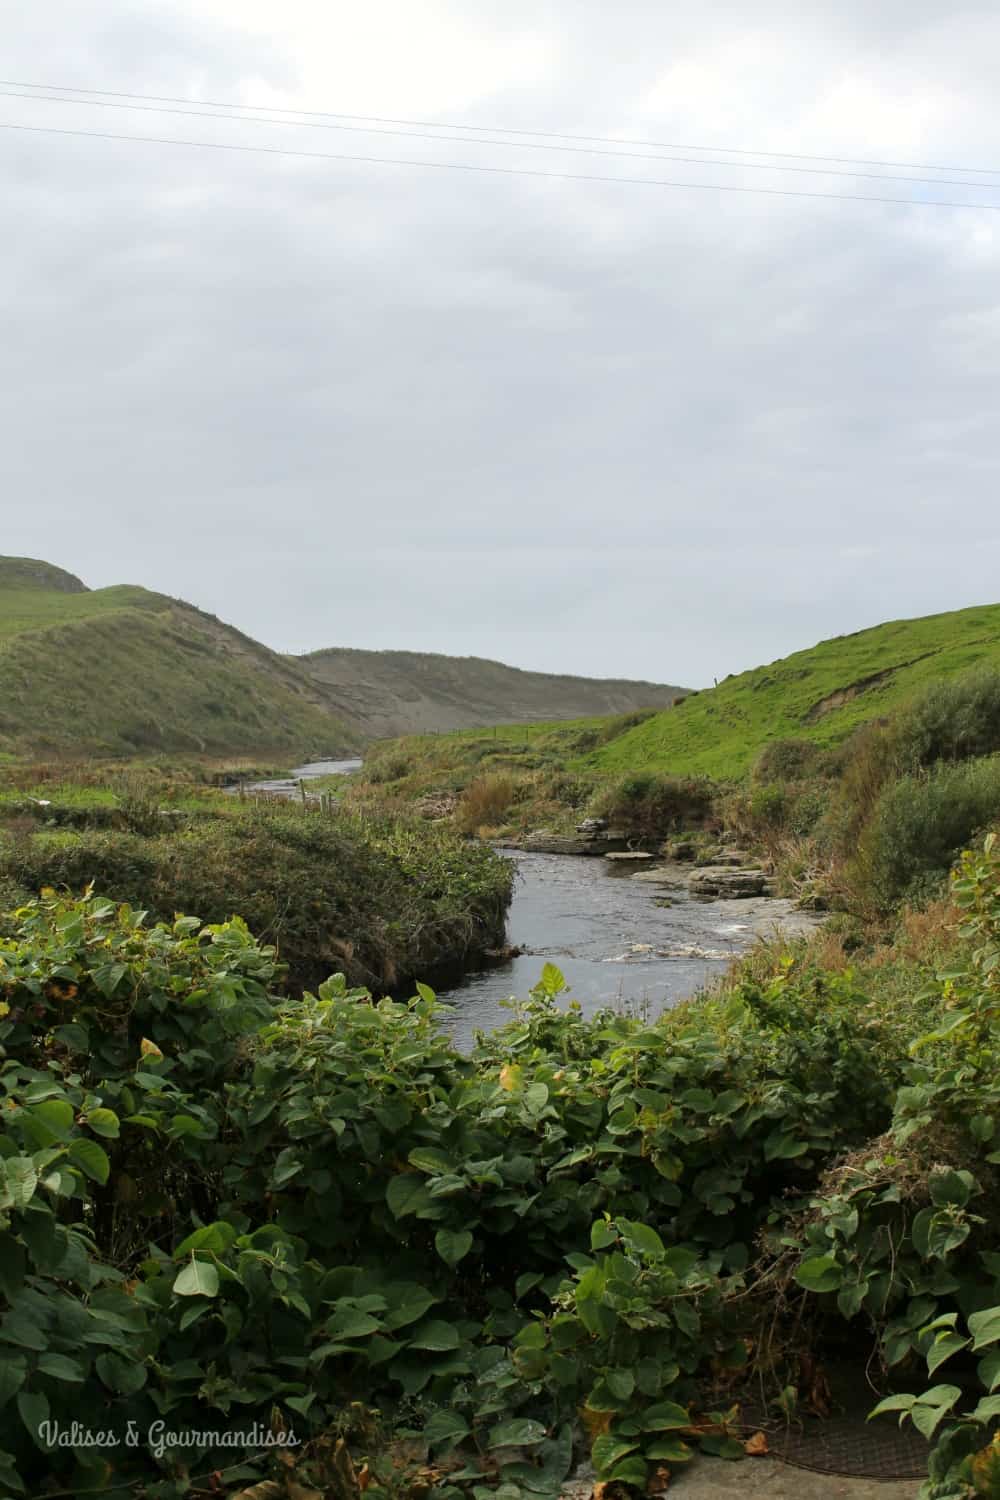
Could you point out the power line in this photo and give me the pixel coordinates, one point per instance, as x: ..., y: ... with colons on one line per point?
x: 504, y: 130
x: 461, y: 166
x: 420, y: 135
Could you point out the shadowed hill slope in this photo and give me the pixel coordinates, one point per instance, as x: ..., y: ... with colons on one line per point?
x: 411, y: 692
x: 123, y: 670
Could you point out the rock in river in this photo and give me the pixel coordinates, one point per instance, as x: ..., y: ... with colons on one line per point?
x: 726, y: 883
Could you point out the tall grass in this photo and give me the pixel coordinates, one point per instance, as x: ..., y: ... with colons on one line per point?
x: 485, y: 801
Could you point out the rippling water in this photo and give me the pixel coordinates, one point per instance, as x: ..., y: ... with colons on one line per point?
x: 612, y: 941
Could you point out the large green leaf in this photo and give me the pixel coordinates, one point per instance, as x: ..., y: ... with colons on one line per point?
x: 452, y: 1245
x: 445, y: 1428
x: 216, y: 1237
x: 943, y: 1348
x: 22, y: 1180
x: 985, y: 1327
x: 125, y: 1376
x: 91, y: 1158
x: 820, y: 1273
x: 34, y: 1409
x: 406, y: 1194
x: 519, y: 1433
x: 54, y: 1117
x: 61, y: 1367
x: 13, y: 1369
x: 436, y: 1335
x: 665, y: 1416
x: 349, y: 1322
x: 197, y: 1279
x: 609, y: 1450
x: 103, y: 1122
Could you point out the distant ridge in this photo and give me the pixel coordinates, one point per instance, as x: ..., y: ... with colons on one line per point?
x: 389, y: 693
x: 126, y: 671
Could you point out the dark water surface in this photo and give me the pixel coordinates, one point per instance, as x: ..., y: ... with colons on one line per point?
x: 613, y: 943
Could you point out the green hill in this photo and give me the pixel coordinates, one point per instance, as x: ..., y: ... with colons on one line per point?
x: 391, y: 693
x: 122, y: 671
x: 821, y: 694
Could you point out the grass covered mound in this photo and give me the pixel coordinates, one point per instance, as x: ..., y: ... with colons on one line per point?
x: 380, y: 899
x: 820, y: 695
x: 218, y: 1209
x: 123, y: 670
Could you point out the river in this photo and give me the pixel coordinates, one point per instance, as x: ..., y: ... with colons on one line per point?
x: 614, y: 938
x: 288, y: 786
x: 638, y: 942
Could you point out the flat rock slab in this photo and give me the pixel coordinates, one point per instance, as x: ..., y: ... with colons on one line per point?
x: 768, y: 1478
x: 627, y: 854
x: 766, y: 916
x: 557, y: 843
x: 723, y: 880
x: 715, y: 1479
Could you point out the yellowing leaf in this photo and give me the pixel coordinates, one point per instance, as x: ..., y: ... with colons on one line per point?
x: 510, y: 1077
x: 595, y: 1423
x: 149, y: 1049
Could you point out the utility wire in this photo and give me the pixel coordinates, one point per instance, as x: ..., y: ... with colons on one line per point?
x: 421, y: 135
x: 503, y: 130
x: 461, y: 166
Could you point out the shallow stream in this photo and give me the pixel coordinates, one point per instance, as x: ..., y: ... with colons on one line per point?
x: 614, y: 941
x: 629, y: 939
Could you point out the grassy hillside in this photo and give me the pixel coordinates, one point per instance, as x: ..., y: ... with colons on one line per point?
x: 410, y: 692
x: 821, y: 695
x: 123, y: 670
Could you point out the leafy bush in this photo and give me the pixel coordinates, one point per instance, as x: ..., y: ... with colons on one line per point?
x: 648, y: 806
x: 229, y: 1203
x: 220, y: 1207
x: 790, y: 760
x: 378, y: 898
x: 905, y: 1232
x: 920, y: 824
x: 956, y: 718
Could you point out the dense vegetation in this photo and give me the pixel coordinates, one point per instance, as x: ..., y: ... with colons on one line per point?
x: 379, y: 898
x: 511, y: 778
x: 218, y: 1207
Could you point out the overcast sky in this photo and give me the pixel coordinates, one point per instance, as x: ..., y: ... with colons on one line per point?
x: 614, y: 429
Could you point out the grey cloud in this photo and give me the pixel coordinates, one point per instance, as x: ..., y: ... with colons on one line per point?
x: 604, y: 429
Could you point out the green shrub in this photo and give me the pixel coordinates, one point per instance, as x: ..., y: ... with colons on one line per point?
x: 956, y: 718
x: 920, y: 824
x: 213, y: 1205
x: 387, y: 766
x: 904, y: 1233
x: 377, y: 898
x: 790, y: 760
x: 649, y: 806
